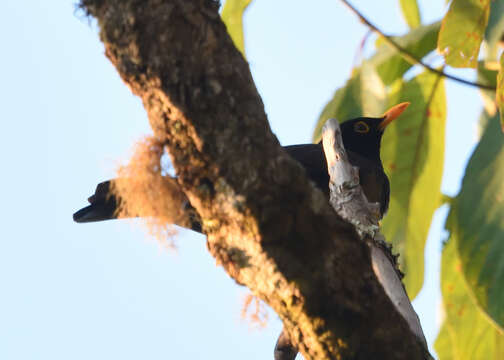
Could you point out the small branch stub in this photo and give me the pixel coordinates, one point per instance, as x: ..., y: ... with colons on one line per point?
x: 347, y: 196
x: 350, y: 202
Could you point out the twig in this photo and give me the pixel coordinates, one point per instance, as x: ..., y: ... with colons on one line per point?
x: 408, y: 56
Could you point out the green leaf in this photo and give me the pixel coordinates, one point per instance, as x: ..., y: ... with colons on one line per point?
x: 419, y: 42
x: 494, y: 30
x: 479, y: 223
x: 500, y: 91
x: 412, y: 155
x: 462, y: 32
x: 411, y: 12
x: 232, y: 15
x: 443, y: 344
x: 488, y: 77
x: 362, y: 95
x: 466, y: 334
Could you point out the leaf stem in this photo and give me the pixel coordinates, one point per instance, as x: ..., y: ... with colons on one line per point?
x: 408, y: 56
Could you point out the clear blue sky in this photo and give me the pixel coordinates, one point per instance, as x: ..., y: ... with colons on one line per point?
x: 108, y: 291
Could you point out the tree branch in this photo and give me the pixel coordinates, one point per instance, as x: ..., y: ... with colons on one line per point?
x: 408, y: 56
x: 266, y: 223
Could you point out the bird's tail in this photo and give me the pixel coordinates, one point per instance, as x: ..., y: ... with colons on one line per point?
x: 103, y: 205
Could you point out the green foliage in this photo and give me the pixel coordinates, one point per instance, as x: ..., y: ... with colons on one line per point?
x: 443, y: 345
x: 500, y: 91
x: 232, y: 15
x: 479, y: 224
x: 412, y: 155
x: 462, y: 32
x: 411, y: 12
x: 362, y: 95
x: 488, y: 77
x: 466, y: 334
x: 419, y: 42
x: 472, y: 277
x: 494, y: 30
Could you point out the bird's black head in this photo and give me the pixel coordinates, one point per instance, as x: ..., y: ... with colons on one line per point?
x: 363, y: 135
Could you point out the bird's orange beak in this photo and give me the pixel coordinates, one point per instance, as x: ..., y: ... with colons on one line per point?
x: 392, y: 114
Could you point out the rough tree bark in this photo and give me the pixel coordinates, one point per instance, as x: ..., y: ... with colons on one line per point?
x: 266, y: 223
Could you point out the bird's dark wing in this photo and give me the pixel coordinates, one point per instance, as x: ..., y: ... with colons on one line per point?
x: 373, y: 180
x: 313, y: 159
x: 385, y: 196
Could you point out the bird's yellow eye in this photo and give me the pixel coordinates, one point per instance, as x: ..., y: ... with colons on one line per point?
x: 361, y: 127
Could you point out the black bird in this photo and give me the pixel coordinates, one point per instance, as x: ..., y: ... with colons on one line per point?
x: 361, y: 137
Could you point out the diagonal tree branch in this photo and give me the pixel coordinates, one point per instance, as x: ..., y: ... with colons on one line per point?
x: 266, y: 223
x: 408, y: 56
